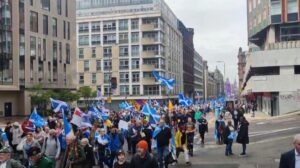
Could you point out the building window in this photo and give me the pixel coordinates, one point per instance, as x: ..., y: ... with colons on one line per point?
x: 46, y: 4
x: 107, y: 65
x: 65, y: 29
x: 45, y: 24
x: 135, y: 77
x: 81, y: 53
x: 123, y: 50
x: 81, y: 78
x: 54, y: 51
x: 109, y: 38
x: 151, y: 61
x: 290, y: 32
x: 83, y: 40
x: 124, y: 90
x: 123, y: 38
x: 109, y: 26
x: 69, y: 33
x: 124, y: 77
x: 44, y: 49
x: 123, y: 25
x: 135, y: 63
x: 135, y: 90
x: 60, y: 51
x: 58, y: 3
x: 98, y: 65
x: 297, y: 69
x: 107, y: 77
x: 275, y: 11
x: 86, y: 65
x: 68, y: 54
x: 151, y: 48
x: 34, y: 22
x: 135, y: 37
x: 96, y: 26
x: 134, y: 24
x: 124, y: 64
x: 83, y: 27
x: 96, y: 39
x: 107, y: 52
x: 135, y: 51
x: 33, y: 46
x: 93, y: 52
x: 148, y: 75
x: 94, y: 78
x: 151, y: 90
x: 54, y: 27
x: 67, y: 8
x: 107, y: 90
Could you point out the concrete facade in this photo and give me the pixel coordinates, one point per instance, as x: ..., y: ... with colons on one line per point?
x: 39, y: 48
x: 198, y: 75
x: 127, y: 41
x: 272, y: 64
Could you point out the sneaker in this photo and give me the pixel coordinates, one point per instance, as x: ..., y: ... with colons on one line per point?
x: 243, y: 154
x: 231, y: 153
x: 188, y: 164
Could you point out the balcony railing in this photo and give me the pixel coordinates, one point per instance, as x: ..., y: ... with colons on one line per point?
x: 283, y: 45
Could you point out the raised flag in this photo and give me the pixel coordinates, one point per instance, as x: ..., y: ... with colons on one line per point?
x: 151, y: 112
x: 59, y: 105
x: 36, y: 119
x: 171, y: 107
x: 68, y: 131
x: 169, y: 83
x: 77, y: 117
x: 184, y: 101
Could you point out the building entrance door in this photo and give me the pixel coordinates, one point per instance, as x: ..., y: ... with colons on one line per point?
x: 7, y: 109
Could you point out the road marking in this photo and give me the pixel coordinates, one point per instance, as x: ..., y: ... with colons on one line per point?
x: 253, y: 134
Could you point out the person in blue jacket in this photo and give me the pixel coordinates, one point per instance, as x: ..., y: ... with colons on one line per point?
x: 115, y: 144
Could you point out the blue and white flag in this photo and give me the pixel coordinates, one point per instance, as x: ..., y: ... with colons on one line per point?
x: 126, y: 106
x: 169, y: 83
x: 58, y: 105
x: 68, y: 131
x: 151, y: 113
x: 99, y: 114
x: 184, y: 101
x: 156, y: 104
x: 36, y: 119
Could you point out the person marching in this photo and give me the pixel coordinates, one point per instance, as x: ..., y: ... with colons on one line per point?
x: 181, y: 144
x: 203, y: 127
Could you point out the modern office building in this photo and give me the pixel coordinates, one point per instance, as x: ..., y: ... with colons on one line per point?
x: 188, y: 58
x: 37, y: 47
x: 125, y: 41
x: 273, y: 62
x: 198, y: 75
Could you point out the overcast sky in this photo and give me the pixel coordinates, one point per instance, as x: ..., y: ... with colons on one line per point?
x: 220, y: 29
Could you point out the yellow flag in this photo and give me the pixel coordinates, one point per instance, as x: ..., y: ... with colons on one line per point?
x: 171, y: 107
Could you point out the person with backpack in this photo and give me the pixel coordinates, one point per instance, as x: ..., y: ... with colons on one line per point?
x: 143, y: 159
x: 115, y: 144
x: 51, y: 147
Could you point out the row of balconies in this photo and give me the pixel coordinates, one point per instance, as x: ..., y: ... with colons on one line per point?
x: 283, y: 45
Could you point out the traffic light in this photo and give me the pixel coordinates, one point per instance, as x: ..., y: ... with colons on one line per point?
x: 113, y: 82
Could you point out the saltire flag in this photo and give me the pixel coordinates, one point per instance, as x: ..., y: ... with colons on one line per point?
x: 99, y: 114
x: 80, y: 119
x: 184, y: 101
x: 156, y: 104
x: 36, y: 119
x: 68, y: 131
x: 4, y: 139
x: 59, y: 105
x: 151, y: 112
x: 126, y: 106
x: 169, y: 83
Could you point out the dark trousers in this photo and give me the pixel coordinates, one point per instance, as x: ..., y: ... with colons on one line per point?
x: 129, y: 144
x: 244, y: 148
x: 190, y: 142
x: 228, y: 150
x: 162, y: 153
x: 111, y: 159
x: 202, y: 136
x: 236, y: 123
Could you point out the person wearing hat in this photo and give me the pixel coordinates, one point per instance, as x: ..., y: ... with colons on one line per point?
x: 115, y: 144
x: 51, y: 147
x: 6, y: 161
x: 143, y: 159
x: 121, y: 160
x: 38, y: 160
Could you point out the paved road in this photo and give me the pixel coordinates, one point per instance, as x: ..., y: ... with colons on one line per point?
x: 268, y: 139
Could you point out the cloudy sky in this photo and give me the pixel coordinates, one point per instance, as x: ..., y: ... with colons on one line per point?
x: 220, y: 29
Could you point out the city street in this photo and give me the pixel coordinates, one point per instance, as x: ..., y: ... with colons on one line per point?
x: 269, y: 138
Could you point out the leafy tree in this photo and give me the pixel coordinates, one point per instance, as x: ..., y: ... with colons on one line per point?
x: 87, y: 94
